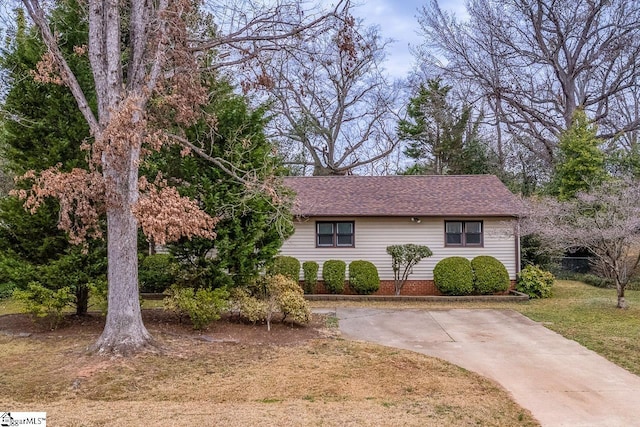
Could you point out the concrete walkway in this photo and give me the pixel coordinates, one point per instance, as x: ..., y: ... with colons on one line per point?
x: 558, y: 380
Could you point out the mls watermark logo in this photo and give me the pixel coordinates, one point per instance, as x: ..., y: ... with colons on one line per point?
x: 10, y: 419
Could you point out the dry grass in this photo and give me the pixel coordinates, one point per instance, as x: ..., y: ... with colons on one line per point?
x: 327, y: 381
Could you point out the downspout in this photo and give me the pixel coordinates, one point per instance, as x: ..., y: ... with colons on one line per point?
x: 517, y: 248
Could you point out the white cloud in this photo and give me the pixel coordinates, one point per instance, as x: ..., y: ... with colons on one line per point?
x: 397, y: 20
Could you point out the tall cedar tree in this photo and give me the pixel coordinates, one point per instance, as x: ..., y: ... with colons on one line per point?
x: 48, y: 131
x: 441, y: 138
x: 250, y: 231
x: 581, y: 163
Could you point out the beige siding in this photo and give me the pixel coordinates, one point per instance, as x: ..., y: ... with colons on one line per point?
x: 373, y: 235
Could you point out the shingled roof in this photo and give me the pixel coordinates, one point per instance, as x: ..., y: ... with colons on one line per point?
x: 403, y: 195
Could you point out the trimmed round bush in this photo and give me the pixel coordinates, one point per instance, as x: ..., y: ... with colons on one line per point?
x: 288, y: 266
x: 333, y: 274
x: 363, y: 277
x: 489, y: 275
x: 535, y: 282
x: 310, y: 272
x: 453, y: 276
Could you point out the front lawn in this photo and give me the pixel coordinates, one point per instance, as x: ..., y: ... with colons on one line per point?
x: 238, y: 374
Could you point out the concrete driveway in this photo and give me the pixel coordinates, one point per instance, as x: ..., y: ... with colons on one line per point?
x: 558, y: 380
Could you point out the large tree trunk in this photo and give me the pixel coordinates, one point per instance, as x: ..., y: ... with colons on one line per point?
x: 124, y: 333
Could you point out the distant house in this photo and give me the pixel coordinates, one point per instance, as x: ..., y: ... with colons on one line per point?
x: 357, y: 217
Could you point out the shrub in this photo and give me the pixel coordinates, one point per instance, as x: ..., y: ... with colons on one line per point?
x: 403, y: 259
x: 363, y: 277
x: 333, y: 274
x: 489, y: 275
x: 453, y: 276
x: 251, y: 308
x: 99, y: 292
x: 41, y: 302
x: 272, y: 294
x: 310, y: 271
x: 157, y: 272
x: 535, y: 282
x: 288, y: 298
x: 202, y: 306
x: 287, y: 266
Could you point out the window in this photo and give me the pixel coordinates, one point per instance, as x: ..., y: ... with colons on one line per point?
x: 463, y: 233
x: 334, y: 234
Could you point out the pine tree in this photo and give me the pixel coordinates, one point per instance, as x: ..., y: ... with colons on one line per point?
x: 581, y: 163
x: 441, y: 137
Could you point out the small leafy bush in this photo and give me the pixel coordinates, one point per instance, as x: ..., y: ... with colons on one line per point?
x: 202, y: 306
x: 403, y: 259
x: 271, y: 295
x: 333, y: 275
x: 42, y: 303
x: 363, y: 277
x: 453, y: 276
x: 248, y: 306
x: 99, y: 293
x: 289, y: 298
x: 287, y: 266
x: 489, y: 275
x: 535, y: 282
x: 157, y: 272
x: 310, y: 271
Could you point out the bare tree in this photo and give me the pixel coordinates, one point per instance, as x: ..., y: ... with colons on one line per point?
x: 605, y: 221
x: 167, y: 47
x: 537, y: 61
x: 335, y: 106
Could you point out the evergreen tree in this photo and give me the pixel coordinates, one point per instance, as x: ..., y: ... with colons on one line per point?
x: 441, y: 137
x: 46, y: 129
x: 581, y: 163
x: 251, y: 229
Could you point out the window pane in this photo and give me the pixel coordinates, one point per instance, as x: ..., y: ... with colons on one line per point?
x: 474, y: 227
x: 454, y: 239
x: 473, y: 239
x: 345, y: 240
x: 325, y: 240
x: 454, y: 227
x: 325, y: 228
x: 345, y: 228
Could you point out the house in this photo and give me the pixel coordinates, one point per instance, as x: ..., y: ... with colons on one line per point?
x: 357, y: 217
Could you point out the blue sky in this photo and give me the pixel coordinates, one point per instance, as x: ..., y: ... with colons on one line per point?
x: 397, y: 20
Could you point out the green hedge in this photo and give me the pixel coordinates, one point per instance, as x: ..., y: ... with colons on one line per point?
x: 489, y: 275
x: 453, y: 276
x: 288, y: 266
x: 333, y: 274
x: 363, y: 277
x: 310, y: 272
x: 535, y: 282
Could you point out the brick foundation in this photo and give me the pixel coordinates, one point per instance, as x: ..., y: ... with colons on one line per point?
x: 410, y: 288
